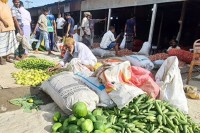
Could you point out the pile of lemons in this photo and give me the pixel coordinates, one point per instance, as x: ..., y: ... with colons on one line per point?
x: 31, y: 77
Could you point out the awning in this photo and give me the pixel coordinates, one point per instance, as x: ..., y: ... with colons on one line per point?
x: 105, y: 4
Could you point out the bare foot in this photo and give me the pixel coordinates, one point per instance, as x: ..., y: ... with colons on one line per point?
x: 36, y: 52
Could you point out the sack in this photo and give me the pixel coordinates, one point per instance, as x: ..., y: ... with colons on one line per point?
x: 145, y: 49
x: 116, y: 79
x: 66, y: 90
x: 122, y: 45
x: 158, y: 63
x: 76, y: 66
x: 102, y: 53
x: 94, y: 84
x: 170, y: 81
x: 25, y: 44
x: 140, y: 61
x: 182, y: 55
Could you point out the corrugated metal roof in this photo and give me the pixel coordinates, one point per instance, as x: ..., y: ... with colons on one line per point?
x: 105, y: 4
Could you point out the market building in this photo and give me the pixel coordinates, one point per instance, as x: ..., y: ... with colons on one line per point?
x: 157, y: 20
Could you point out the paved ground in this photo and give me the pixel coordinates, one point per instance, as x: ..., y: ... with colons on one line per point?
x: 10, y: 90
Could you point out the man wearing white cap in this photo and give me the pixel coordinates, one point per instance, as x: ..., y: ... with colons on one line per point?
x: 86, y: 29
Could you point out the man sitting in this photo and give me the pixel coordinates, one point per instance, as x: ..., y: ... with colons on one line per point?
x: 76, y: 50
x: 108, y: 41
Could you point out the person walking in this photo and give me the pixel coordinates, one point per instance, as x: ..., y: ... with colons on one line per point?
x: 7, y: 33
x: 60, y: 21
x: 70, y: 27
x: 92, y: 22
x: 17, y: 17
x: 51, y: 23
x: 42, y: 24
x: 130, y: 32
x: 26, y: 20
x: 86, y: 33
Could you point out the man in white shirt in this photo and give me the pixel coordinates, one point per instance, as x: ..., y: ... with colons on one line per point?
x: 108, y: 41
x: 86, y: 29
x: 60, y: 24
x: 76, y: 50
x: 26, y: 21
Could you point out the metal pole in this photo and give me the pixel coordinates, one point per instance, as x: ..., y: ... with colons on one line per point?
x: 109, y: 15
x: 181, y: 21
x: 153, y: 19
x: 160, y: 29
x: 80, y: 16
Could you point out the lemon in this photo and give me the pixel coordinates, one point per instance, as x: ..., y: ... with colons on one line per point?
x: 30, y: 100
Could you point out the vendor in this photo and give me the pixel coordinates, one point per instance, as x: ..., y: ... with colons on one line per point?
x: 108, y: 41
x: 173, y: 44
x: 76, y: 50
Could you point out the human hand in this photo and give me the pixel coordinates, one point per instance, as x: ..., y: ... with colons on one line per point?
x: 51, y: 69
x: 21, y: 32
x: 5, y: 24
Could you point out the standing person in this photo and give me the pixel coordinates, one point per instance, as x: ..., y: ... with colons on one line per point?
x: 130, y: 32
x: 42, y: 24
x: 60, y: 24
x: 86, y: 29
x: 108, y: 41
x: 51, y: 23
x: 7, y: 33
x: 17, y: 17
x: 92, y: 22
x: 70, y: 27
x: 26, y: 20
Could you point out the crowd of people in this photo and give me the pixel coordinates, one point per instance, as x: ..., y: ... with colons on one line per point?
x: 77, y: 38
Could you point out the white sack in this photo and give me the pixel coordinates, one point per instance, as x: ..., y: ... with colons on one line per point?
x: 170, y: 81
x: 102, y: 53
x: 145, y: 49
x: 140, y: 61
x: 94, y: 84
x: 66, y: 90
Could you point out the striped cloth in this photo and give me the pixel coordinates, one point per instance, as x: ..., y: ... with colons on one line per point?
x: 8, y: 43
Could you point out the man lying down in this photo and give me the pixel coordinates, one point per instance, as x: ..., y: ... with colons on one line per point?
x: 76, y: 50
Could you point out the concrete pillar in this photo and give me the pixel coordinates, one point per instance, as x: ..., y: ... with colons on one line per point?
x: 109, y: 15
x: 153, y: 19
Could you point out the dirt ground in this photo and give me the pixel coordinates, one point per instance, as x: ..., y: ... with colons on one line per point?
x: 9, y: 90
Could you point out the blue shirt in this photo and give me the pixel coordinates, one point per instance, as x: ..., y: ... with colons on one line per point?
x: 50, y: 20
x: 130, y: 23
x: 71, y: 22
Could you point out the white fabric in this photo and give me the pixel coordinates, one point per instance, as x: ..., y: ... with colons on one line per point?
x: 141, y: 61
x: 103, y: 53
x: 170, y: 81
x: 66, y: 90
x: 76, y: 66
x: 26, y: 16
x: 177, y: 47
x: 119, y: 91
x: 22, y: 40
x: 60, y: 21
x: 76, y: 37
x: 145, y: 49
x: 84, y: 54
x: 85, y: 24
x: 108, y: 37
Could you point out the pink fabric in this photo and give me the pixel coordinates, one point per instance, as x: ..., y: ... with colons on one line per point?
x: 144, y: 80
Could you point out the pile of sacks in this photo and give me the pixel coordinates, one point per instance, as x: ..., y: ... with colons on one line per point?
x: 116, y: 83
